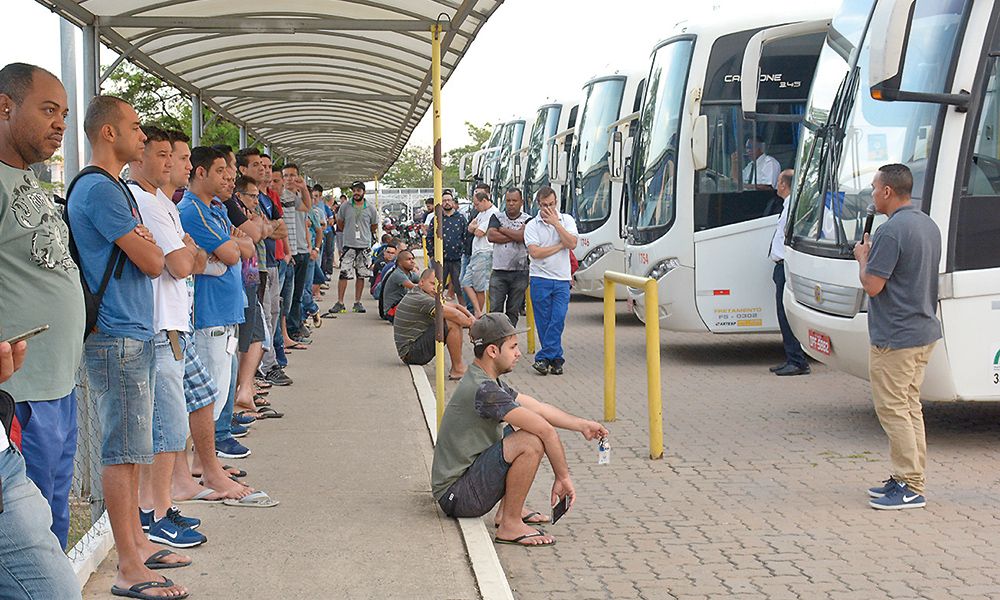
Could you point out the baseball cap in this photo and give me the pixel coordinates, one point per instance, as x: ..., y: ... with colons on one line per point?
x: 358, y: 184
x: 491, y: 328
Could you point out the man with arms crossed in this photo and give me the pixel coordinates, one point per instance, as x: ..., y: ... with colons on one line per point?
x: 898, y: 267
x: 479, y: 462
x: 509, y: 279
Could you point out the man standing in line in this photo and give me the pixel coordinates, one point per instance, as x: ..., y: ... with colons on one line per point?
x: 452, y: 233
x: 898, y: 268
x: 358, y: 221
x: 295, y: 200
x: 795, y: 359
x: 509, y: 279
x: 120, y: 356
x: 39, y: 284
x: 549, y: 240
x: 477, y: 274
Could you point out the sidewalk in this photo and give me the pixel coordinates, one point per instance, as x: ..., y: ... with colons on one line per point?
x: 350, y: 463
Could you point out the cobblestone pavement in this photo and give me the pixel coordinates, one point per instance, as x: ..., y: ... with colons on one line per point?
x: 761, y: 492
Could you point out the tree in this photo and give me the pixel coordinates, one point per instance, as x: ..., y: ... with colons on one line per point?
x: 413, y: 169
x: 479, y: 135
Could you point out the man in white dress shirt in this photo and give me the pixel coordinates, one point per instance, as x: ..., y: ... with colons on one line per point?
x: 795, y: 360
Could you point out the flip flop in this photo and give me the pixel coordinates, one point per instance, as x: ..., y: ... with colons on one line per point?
x: 517, y: 541
x: 262, y: 384
x: 136, y: 591
x: 154, y: 562
x: 201, y: 497
x: 526, y: 519
x: 261, y: 403
x: 296, y: 346
x: 254, y: 500
x: 450, y: 378
x: 266, y: 412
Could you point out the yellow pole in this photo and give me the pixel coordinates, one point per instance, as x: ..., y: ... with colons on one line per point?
x: 426, y: 258
x: 530, y: 315
x: 609, y: 349
x: 438, y: 217
x: 486, y: 301
x: 652, y: 367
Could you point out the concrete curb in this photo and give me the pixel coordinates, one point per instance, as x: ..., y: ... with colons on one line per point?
x: 489, y: 573
x: 92, y: 549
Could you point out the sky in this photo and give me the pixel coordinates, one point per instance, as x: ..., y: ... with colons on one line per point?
x: 530, y: 52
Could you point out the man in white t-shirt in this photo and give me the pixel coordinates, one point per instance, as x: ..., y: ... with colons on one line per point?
x: 477, y: 274
x: 550, y: 238
x: 172, y: 324
x: 763, y: 169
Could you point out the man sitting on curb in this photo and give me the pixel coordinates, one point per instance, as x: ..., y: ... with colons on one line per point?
x: 479, y: 462
x: 414, y: 328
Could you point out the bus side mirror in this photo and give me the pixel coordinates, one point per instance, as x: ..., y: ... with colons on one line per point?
x: 463, y: 167
x: 515, y: 168
x: 554, y: 162
x: 888, y: 57
x: 699, y: 142
x: 616, y: 157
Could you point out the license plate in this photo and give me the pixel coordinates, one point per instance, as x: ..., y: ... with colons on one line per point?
x: 820, y: 342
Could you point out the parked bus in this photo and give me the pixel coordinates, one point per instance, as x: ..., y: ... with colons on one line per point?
x: 532, y: 161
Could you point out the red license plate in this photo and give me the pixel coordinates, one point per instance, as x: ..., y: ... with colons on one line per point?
x: 820, y: 342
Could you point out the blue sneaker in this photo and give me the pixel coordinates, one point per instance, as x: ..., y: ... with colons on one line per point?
x: 238, y: 431
x: 244, y: 420
x: 174, y: 514
x: 887, y: 486
x: 165, y: 531
x: 145, y: 519
x: 898, y: 499
x: 230, y: 448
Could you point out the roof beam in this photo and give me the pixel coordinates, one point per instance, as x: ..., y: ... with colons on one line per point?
x: 268, y: 24
x: 306, y: 96
x: 320, y: 128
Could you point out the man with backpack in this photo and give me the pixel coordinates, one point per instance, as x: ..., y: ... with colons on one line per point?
x: 120, y: 357
x: 39, y: 284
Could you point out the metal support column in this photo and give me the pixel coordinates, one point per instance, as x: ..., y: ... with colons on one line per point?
x: 196, y: 120
x: 438, y: 219
x: 91, y: 77
x: 244, y: 142
x: 267, y: 151
x: 71, y: 137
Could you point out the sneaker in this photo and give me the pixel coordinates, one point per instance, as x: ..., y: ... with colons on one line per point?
x: 244, y: 420
x: 338, y: 308
x: 230, y: 448
x: 145, y: 519
x: 887, y: 486
x: 542, y: 366
x: 777, y: 368
x: 166, y: 531
x: 174, y: 514
x: 359, y: 308
x: 237, y: 431
x: 301, y: 339
x: 791, y: 370
x: 556, y: 368
x: 898, y: 499
x: 277, y: 376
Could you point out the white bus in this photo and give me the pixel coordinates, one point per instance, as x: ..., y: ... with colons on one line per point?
x: 700, y: 216
x: 935, y: 65
x: 531, y: 163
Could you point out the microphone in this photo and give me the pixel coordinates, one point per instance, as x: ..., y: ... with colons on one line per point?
x: 869, y: 219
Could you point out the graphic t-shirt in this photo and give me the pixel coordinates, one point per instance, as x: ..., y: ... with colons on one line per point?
x: 39, y: 284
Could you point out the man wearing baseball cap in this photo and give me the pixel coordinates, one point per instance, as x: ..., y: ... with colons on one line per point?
x: 358, y: 221
x: 479, y: 462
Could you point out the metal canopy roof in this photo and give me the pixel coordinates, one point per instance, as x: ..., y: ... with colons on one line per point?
x: 339, y: 85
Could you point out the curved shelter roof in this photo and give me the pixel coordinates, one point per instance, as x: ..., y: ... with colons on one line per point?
x: 337, y: 84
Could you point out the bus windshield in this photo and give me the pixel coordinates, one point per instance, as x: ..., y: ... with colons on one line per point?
x: 537, y: 168
x: 592, y: 185
x: 652, y: 184
x: 848, y: 135
x: 511, y: 145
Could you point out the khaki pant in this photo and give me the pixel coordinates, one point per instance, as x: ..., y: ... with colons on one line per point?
x: 896, y: 376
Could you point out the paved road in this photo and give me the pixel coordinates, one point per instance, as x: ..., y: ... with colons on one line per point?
x: 350, y: 463
x: 761, y: 493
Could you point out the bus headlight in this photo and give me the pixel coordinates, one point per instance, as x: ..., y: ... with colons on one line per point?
x: 663, y: 267
x: 594, y: 255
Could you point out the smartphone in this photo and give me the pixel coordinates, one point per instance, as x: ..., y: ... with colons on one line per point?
x: 27, y: 335
x: 560, y: 509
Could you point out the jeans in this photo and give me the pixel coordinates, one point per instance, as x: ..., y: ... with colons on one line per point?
x: 793, y: 350
x: 122, y: 376
x: 48, y: 440
x: 507, y: 293
x: 295, y: 313
x: 170, y: 416
x: 224, y: 422
x: 309, y: 306
x: 32, y: 563
x: 329, y: 250
x: 550, y: 300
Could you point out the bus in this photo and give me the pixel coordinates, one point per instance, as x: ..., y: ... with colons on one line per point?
x: 531, y: 163
x: 701, y: 205
x: 933, y: 105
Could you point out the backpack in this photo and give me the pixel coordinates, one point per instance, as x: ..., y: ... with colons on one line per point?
x: 116, y: 262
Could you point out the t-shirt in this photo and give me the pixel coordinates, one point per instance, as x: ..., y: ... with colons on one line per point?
x: 763, y: 171
x: 327, y: 215
x: 510, y: 256
x: 358, y: 221
x: 39, y: 284
x: 452, y: 234
x: 317, y: 216
x: 393, y: 289
x: 267, y: 209
x: 100, y: 212
x: 414, y: 314
x: 539, y: 233
x: 171, y: 305
x: 483, y: 243
x: 472, y: 422
x: 906, y: 251
x: 302, y: 239
x: 288, y: 202
x: 218, y: 301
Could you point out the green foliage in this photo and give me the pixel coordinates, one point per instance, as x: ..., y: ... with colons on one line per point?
x: 413, y: 169
x: 479, y: 134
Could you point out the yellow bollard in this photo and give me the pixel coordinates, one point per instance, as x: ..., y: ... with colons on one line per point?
x: 609, y: 351
x: 530, y: 316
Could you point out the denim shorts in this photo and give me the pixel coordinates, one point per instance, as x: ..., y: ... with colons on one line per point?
x: 477, y: 274
x: 122, y: 374
x: 479, y: 489
x: 170, y: 415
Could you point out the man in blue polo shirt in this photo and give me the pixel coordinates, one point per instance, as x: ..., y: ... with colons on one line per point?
x: 219, y: 300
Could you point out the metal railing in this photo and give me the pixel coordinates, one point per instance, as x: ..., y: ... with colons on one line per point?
x: 655, y: 405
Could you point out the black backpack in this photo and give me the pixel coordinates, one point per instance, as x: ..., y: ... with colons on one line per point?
x: 116, y: 262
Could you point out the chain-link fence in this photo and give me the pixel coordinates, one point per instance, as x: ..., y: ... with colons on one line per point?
x: 86, y: 495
